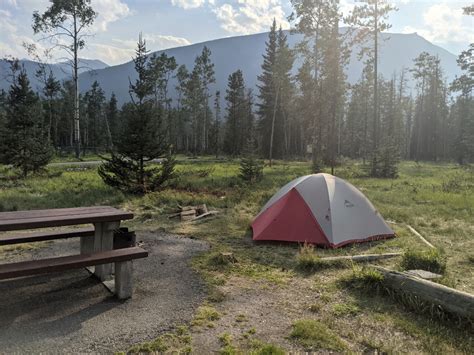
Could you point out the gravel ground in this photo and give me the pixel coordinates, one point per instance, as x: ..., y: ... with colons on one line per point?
x: 72, y: 312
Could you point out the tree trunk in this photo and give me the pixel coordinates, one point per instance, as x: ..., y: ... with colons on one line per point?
x: 77, y: 132
x: 273, y: 126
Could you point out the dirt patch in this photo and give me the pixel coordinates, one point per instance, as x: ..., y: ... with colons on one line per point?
x: 72, y: 312
x: 265, y: 312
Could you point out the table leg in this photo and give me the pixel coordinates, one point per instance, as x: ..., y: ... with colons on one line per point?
x: 104, y: 240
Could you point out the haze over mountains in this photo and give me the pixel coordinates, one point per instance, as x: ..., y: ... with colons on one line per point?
x: 245, y: 53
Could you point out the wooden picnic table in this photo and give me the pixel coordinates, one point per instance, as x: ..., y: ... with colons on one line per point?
x: 104, y: 218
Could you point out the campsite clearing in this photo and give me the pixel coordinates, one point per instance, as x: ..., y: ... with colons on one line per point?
x: 261, y: 295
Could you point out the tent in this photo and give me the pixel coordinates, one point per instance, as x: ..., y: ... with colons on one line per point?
x: 320, y: 209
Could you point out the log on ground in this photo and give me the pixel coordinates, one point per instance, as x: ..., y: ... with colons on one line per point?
x: 362, y: 258
x: 448, y: 299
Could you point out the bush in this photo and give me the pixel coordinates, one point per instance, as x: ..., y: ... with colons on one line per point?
x: 431, y: 260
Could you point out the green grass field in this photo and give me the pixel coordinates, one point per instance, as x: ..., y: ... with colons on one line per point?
x: 436, y: 199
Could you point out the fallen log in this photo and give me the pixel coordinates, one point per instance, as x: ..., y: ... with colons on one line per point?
x: 201, y: 209
x: 366, y: 257
x: 445, y: 298
x: 413, y: 230
x: 208, y: 214
x: 188, y: 215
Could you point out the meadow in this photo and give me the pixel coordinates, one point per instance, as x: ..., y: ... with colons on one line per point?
x: 436, y: 199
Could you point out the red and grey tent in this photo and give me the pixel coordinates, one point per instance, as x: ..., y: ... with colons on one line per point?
x: 320, y: 209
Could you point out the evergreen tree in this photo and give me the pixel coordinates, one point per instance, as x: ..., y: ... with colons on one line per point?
x: 142, y: 138
x: 24, y: 144
x: 268, y: 94
x: 96, y: 133
x: 370, y: 20
x: 251, y: 169
x: 161, y: 70
x: 51, y: 90
x: 205, y: 72
x: 463, y: 108
x: 235, y: 114
x: 113, y: 118
x: 182, y: 142
x: 194, y: 102
x: 216, y: 128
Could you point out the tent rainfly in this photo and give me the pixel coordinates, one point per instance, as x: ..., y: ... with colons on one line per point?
x: 320, y: 209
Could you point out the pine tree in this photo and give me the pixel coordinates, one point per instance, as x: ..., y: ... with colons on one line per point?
x: 268, y: 94
x: 205, y: 72
x: 235, y: 114
x: 113, y: 119
x: 463, y: 108
x: 24, y: 144
x: 370, y: 20
x: 216, y: 127
x: 141, y: 140
x: 182, y: 142
x: 51, y: 89
x: 316, y: 20
x: 96, y: 132
x: 251, y: 169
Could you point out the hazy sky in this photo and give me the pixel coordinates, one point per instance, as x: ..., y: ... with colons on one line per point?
x: 171, y: 23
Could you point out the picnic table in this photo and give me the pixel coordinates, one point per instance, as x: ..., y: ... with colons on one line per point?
x: 96, y: 244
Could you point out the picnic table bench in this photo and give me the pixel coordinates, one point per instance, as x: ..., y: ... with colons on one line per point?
x: 96, y: 244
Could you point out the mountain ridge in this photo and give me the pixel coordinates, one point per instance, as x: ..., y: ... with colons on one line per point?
x: 245, y: 52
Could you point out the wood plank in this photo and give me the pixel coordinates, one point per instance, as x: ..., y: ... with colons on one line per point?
x: 53, y: 212
x: 415, y: 232
x: 45, y: 236
x: 36, y: 267
x: 363, y: 257
x: 56, y: 221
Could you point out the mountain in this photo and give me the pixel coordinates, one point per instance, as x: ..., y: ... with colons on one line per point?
x: 62, y: 70
x: 245, y: 52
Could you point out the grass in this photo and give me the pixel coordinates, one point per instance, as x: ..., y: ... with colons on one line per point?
x: 314, y: 335
x: 431, y: 260
x: 308, y: 261
x: 205, y: 316
x: 172, y: 342
x: 345, y: 309
x: 436, y: 199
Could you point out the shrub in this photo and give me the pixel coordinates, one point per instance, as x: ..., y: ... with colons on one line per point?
x: 431, y: 260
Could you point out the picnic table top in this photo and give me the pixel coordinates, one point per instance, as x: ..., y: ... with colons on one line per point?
x: 19, y: 220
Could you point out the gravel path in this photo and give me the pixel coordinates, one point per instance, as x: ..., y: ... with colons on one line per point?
x: 72, y: 312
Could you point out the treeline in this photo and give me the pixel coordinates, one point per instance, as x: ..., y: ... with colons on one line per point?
x: 315, y: 113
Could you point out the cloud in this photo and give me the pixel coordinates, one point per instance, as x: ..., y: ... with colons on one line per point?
x: 189, y: 4
x: 251, y: 16
x: 12, y: 39
x: 123, y: 50
x: 109, y: 11
x: 444, y: 23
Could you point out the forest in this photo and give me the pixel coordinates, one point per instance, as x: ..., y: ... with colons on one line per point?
x: 315, y: 114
